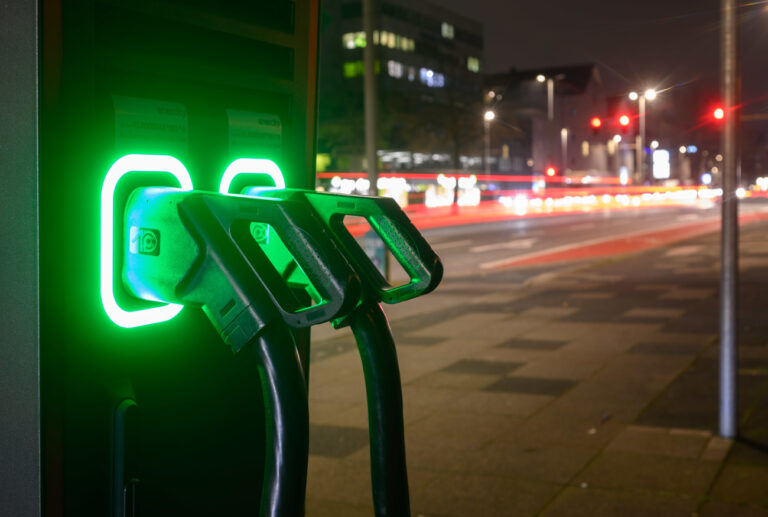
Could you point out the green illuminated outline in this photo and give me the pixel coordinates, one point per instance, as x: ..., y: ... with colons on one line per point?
x: 125, y: 165
x: 251, y: 166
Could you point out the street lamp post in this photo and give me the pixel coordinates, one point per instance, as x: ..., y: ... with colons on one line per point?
x: 488, y: 116
x: 640, y: 151
x: 550, y: 81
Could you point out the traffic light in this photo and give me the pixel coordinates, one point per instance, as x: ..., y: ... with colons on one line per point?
x: 595, y: 123
x: 551, y: 171
x: 624, y: 121
x: 718, y: 113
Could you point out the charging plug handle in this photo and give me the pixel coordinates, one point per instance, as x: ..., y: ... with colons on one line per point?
x: 396, y: 230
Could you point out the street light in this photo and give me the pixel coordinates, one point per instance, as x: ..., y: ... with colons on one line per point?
x: 649, y: 94
x: 550, y: 111
x: 488, y: 116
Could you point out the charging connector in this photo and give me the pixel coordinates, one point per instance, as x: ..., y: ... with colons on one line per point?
x: 197, y: 248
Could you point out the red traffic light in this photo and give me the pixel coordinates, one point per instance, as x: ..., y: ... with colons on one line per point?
x: 718, y: 113
x: 624, y: 120
x: 551, y: 171
x: 595, y: 122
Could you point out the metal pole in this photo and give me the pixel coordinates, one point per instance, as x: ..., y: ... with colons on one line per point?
x: 564, y: 149
x: 641, y: 145
x: 550, y: 99
x: 487, y: 156
x: 550, y: 119
x: 370, y: 94
x: 730, y: 237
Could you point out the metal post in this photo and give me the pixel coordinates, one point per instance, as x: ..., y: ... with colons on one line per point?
x: 370, y: 94
x: 487, y: 138
x: 550, y: 119
x: 550, y: 99
x: 641, y: 144
x: 730, y: 237
x: 564, y: 149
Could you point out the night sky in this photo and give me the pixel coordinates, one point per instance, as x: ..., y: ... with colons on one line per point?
x: 653, y: 43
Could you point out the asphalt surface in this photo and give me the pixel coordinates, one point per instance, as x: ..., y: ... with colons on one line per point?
x: 473, y: 249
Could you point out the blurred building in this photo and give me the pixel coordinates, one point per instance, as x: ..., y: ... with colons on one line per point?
x: 429, y: 70
x: 523, y: 138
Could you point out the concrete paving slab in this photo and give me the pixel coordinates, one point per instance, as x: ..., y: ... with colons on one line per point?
x: 458, y: 431
x: 556, y: 368
x: 653, y: 313
x: 531, y: 385
x: 741, y: 484
x: 455, y: 381
x: 660, y: 441
x: 688, y: 294
x: 590, y: 502
x: 323, y: 508
x: 333, y: 479
x: 465, y: 324
x: 334, y: 441
x: 459, y: 495
x: 554, y: 463
x: 597, y: 295
x: 639, y: 471
x: 477, y: 366
x: 512, y: 404
x: 724, y: 509
x: 548, y: 312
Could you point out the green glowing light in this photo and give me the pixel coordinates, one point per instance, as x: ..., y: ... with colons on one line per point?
x: 251, y: 166
x: 125, y: 165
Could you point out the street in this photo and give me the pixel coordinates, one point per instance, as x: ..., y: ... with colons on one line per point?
x: 478, y: 248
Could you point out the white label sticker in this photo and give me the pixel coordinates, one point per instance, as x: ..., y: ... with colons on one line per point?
x: 255, y: 134
x: 148, y: 124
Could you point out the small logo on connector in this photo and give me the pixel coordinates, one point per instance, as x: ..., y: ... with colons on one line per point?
x: 144, y: 241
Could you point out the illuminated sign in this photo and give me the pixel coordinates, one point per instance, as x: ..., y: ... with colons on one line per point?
x: 661, y: 164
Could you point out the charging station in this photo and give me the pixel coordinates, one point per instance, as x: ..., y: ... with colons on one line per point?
x: 158, y: 418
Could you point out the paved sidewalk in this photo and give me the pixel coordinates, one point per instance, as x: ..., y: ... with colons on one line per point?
x: 592, y: 391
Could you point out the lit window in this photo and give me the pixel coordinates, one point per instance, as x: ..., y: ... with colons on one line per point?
x: 411, y: 73
x: 384, y: 38
x: 357, y: 68
x: 585, y: 148
x: 393, y: 40
x: 446, y: 29
x: 473, y: 64
x: 360, y: 39
x: 394, y: 69
x: 353, y: 69
x: 375, y: 37
x: 348, y: 40
x: 431, y: 78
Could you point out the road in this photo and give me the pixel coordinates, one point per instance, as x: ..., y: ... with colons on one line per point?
x: 473, y: 249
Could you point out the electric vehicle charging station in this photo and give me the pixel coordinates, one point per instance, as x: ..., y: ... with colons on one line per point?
x: 159, y: 418
x: 370, y: 327
x: 138, y: 409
